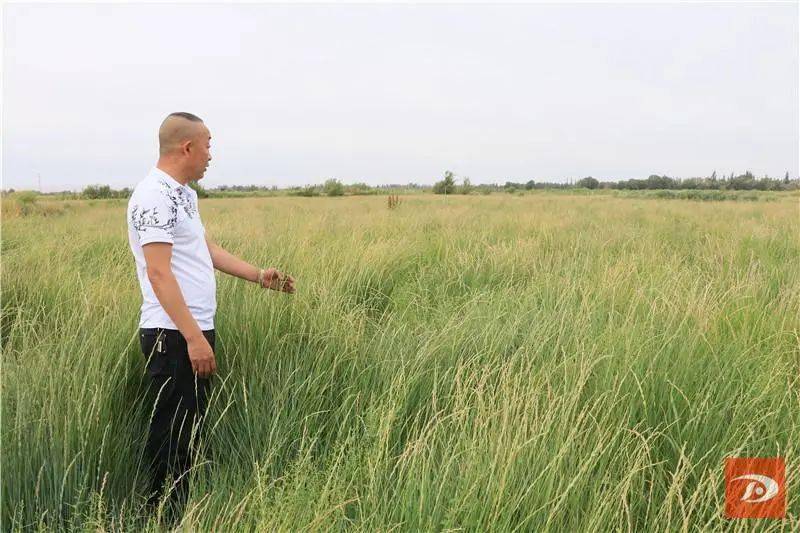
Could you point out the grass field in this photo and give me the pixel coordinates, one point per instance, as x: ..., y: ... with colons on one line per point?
x: 547, y: 362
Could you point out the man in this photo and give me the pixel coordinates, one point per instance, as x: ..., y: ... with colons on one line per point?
x: 175, y: 262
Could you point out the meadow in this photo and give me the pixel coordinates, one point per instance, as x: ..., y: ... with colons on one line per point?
x: 542, y: 362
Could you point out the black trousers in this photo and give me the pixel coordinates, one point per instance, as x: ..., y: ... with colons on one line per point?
x: 177, y: 401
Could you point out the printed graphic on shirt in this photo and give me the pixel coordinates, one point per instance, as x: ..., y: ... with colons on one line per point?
x: 180, y: 197
x: 143, y: 219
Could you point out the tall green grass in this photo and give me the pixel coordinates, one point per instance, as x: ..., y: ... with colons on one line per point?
x: 537, y: 363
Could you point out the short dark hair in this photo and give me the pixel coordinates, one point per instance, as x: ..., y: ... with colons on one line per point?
x: 187, y: 116
x: 166, y: 136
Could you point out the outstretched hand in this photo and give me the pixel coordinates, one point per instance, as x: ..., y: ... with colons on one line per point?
x: 277, y: 281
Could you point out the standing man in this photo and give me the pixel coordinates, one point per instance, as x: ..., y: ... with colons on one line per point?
x: 175, y: 263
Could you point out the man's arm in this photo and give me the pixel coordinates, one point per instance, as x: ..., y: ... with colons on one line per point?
x: 158, y: 256
x: 225, y: 261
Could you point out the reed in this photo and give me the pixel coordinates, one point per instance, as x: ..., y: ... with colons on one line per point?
x: 535, y: 363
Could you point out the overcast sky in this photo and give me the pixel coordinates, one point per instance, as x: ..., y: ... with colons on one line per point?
x: 295, y: 94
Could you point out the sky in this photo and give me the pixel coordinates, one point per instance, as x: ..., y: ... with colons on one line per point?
x: 296, y: 94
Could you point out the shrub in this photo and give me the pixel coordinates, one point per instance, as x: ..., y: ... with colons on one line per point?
x: 359, y: 189
x: 333, y: 187
x: 199, y: 189
x: 588, y: 183
x: 92, y: 192
x: 25, y: 203
x: 446, y: 186
x: 308, y: 191
x: 26, y: 198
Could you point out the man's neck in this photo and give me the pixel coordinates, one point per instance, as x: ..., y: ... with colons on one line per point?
x: 174, y: 172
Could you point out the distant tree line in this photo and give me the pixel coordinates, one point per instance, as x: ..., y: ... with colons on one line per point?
x: 245, y: 188
x: 742, y: 182
x: 449, y: 185
x: 93, y: 192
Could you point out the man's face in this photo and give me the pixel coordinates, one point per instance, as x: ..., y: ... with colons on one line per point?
x: 200, y: 154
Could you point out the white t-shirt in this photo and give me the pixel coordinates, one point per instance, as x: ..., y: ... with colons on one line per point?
x: 162, y: 210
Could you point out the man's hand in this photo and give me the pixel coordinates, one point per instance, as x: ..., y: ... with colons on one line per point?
x: 277, y: 281
x: 202, y: 356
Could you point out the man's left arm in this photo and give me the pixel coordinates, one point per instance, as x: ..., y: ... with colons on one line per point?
x: 225, y: 261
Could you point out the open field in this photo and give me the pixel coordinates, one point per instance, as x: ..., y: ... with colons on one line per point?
x: 548, y: 362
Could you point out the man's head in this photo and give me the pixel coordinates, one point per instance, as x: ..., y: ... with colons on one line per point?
x: 185, y: 142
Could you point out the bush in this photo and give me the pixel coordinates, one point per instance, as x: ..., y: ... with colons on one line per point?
x: 357, y: 189
x: 701, y: 195
x: 93, y: 192
x: 199, y: 189
x: 333, y: 187
x: 446, y: 186
x: 26, y: 198
x: 25, y: 203
x: 308, y: 191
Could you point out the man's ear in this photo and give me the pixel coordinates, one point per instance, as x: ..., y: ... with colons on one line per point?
x: 186, y: 146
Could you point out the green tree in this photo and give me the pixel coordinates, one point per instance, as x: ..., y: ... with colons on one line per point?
x: 446, y: 186
x: 333, y: 187
x: 466, y: 187
x: 26, y: 198
x: 199, y: 189
x: 94, y: 192
x: 588, y: 183
x: 359, y: 188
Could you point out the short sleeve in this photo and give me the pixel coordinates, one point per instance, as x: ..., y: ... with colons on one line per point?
x: 153, y: 216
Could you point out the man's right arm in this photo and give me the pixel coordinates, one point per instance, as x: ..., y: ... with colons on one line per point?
x: 158, y: 257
